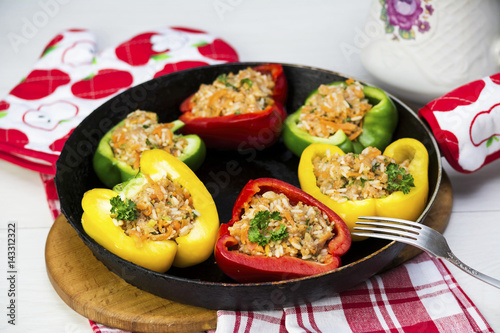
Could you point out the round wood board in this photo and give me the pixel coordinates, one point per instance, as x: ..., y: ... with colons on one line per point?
x: 90, y: 289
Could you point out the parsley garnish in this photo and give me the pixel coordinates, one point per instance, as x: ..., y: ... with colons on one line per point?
x: 123, y: 210
x: 223, y: 79
x: 258, y: 228
x: 247, y: 81
x: 398, y: 180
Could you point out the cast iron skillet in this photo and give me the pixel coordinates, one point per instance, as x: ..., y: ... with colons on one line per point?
x: 225, y: 174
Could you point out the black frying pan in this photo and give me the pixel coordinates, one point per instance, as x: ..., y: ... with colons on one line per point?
x: 225, y: 174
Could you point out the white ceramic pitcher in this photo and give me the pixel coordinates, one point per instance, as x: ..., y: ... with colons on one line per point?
x: 421, y: 49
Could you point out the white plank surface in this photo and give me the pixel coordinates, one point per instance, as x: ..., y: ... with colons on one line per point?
x: 302, y: 32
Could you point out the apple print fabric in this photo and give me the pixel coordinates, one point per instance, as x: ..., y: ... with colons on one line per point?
x: 466, y: 123
x: 71, y: 79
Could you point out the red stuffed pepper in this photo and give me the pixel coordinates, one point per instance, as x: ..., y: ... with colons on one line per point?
x: 278, y: 232
x: 242, y: 110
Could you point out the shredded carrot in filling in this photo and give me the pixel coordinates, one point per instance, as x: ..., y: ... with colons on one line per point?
x: 355, y: 177
x: 164, y: 211
x: 141, y: 131
x: 272, y: 226
x: 248, y: 91
x: 333, y: 108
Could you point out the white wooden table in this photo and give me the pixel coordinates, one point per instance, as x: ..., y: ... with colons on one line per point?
x: 300, y: 32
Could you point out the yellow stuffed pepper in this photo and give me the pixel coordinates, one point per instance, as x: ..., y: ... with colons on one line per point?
x: 392, y: 184
x: 165, y: 216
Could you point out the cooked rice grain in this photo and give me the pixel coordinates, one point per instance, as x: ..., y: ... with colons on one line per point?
x: 248, y: 91
x: 141, y: 131
x: 353, y: 177
x: 334, y: 108
x: 308, y: 229
x: 165, y: 211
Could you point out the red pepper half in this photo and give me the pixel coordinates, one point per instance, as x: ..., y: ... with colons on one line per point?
x: 246, y: 268
x: 246, y: 130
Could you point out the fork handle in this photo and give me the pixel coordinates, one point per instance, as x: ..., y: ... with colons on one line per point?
x: 483, y: 277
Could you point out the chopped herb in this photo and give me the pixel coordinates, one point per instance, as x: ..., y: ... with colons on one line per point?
x: 258, y: 228
x: 280, y: 233
x: 246, y: 81
x: 149, y: 143
x: 398, y: 179
x: 223, y: 79
x: 123, y: 210
x: 375, y: 167
x: 237, y: 112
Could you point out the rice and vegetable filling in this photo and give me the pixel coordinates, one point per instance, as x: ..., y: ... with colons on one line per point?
x: 247, y: 91
x: 333, y: 108
x: 272, y: 226
x: 161, y: 210
x: 141, y: 131
x: 358, y: 177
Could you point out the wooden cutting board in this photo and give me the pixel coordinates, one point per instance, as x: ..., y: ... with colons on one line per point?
x: 90, y: 289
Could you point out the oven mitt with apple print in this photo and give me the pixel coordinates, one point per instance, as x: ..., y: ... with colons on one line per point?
x: 71, y: 79
x: 466, y: 124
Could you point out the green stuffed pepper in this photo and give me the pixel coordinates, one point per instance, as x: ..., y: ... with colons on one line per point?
x: 117, y: 156
x: 346, y: 114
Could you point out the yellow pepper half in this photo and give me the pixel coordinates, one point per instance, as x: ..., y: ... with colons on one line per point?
x: 184, y: 251
x: 397, y: 205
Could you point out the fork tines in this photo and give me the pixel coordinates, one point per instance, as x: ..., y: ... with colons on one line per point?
x: 387, y: 228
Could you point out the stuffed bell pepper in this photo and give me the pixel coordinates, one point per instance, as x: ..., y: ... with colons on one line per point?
x: 278, y: 232
x: 345, y: 114
x: 392, y: 184
x: 163, y: 216
x: 242, y: 110
x: 117, y: 156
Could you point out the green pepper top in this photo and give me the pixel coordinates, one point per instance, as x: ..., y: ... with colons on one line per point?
x: 373, y: 125
x: 112, y: 169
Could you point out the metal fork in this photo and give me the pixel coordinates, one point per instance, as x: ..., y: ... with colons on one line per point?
x: 418, y: 235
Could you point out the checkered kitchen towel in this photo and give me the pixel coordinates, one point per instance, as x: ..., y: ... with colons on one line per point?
x: 419, y: 296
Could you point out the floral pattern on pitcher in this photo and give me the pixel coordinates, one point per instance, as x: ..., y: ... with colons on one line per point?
x: 405, y: 18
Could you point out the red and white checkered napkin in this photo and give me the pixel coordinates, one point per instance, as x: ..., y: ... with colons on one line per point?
x: 466, y: 123
x: 71, y: 79
x: 419, y: 296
